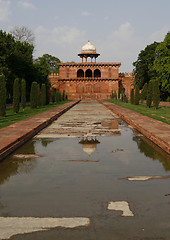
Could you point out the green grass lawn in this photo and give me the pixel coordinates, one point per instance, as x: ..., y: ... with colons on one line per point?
x: 12, y: 117
x: 161, y: 114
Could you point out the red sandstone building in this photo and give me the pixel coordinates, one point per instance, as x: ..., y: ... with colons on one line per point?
x: 90, y: 80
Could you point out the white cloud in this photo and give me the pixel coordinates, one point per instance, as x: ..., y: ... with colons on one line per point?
x: 26, y: 5
x: 106, y: 18
x: 63, y: 42
x: 4, y: 10
x: 86, y: 14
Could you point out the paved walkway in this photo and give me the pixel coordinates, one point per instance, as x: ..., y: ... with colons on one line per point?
x: 15, y: 135
x: 158, y: 132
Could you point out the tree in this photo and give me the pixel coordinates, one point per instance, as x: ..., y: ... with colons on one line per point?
x: 162, y: 66
x: 23, y: 34
x: 149, y: 95
x: 132, y: 96
x: 57, y: 96
x: 53, y: 95
x: 51, y: 61
x: 63, y: 95
x: 34, y: 95
x: 43, y: 94
x: 144, y: 93
x: 137, y: 96
x: 156, y: 94
x: 143, y: 70
x: 39, y: 96
x: 23, y: 94
x: 16, y: 95
x: 2, y: 96
x: 119, y: 93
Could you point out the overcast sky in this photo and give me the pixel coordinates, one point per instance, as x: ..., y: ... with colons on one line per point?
x: 119, y: 29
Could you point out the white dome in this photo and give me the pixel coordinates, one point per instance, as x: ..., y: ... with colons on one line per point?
x: 88, y: 47
x: 89, y: 148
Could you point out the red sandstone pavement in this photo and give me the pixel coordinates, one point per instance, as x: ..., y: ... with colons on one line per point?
x: 15, y: 135
x: 157, y: 131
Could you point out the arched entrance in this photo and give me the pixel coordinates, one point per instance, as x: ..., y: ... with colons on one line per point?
x: 80, y: 73
x: 88, y: 73
x: 80, y: 88
x: 97, y: 73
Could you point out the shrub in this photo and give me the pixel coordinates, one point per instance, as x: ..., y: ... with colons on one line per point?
x: 2, y: 96
x: 34, y: 95
x: 23, y: 94
x: 16, y: 95
x: 53, y: 95
x: 119, y: 93
x: 39, y: 96
x: 156, y: 94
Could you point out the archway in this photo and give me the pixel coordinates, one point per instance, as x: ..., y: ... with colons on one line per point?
x: 97, y: 73
x: 89, y: 88
x: 80, y: 73
x: 97, y: 88
x: 80, y: 88
x: 89, y: 73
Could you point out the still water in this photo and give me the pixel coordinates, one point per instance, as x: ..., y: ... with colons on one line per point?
x: 79, y: 177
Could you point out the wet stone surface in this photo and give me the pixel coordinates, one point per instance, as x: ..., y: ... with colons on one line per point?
x: 87, y: 176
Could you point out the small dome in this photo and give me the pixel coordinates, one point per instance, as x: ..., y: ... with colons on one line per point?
x: 88, y: 47
x: 89, y: 148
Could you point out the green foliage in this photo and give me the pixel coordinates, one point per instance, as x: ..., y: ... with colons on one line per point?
x: 43, y: 94
x: 34, y: 95
x: 16, y: 95
x: 123, y: 93
x: 23, y: 93
x: 119, y: 93
x: 143, y: 66
x: 149, y: 95
x: 48, y: 86
x: 53, y: 95
x: 162, y: 66
x: 2, y: 96
x: 156, y: 94
x: 137, y: 96
x: 39, y: 96
x: 132, y: 96
x: 144, y: 92
x: 63, y: 95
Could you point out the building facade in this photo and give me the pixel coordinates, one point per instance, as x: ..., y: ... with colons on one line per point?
x: 90, y: 80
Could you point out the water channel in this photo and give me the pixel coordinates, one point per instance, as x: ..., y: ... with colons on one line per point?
x: 91, y: 169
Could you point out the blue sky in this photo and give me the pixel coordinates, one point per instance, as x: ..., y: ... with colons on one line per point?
x: 118, y: 29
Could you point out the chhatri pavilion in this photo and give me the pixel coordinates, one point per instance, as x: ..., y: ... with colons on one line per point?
x: 90, y: 79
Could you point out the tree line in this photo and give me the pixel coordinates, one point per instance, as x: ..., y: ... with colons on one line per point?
x: 16, y: 61
x: 153, y: 63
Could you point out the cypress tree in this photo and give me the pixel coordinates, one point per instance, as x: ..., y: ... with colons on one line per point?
x: 112, y: 95
x: 34, y: 95
x: 132, y: 96
x: 119, y: 93
x: 2, y: 96
x: 57, y: 96
x: 16, y: 95
x: 43, y: 94
x: 123, y: 93
x: 137, y: 96
x: 39, y: 96
x: 63, y: 95
x: 47, y: 95
x: 156, y: 94
x: 144, y: 92
x: 53, y: 95
x: 23, y: 94
x: 149, y: 94
x: 115, y: 95
x: 60, y: 97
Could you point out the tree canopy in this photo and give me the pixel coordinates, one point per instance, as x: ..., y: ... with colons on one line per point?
x: 23, y: 34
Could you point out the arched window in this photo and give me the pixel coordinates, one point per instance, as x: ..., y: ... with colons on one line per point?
x: 89, y: 73
x: 80, y: 73
x: 97, y: 73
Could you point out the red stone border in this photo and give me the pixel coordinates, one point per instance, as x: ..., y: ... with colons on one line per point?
x: 157, y: 131
x: 15, y: 135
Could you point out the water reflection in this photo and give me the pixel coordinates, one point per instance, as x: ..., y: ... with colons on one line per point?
x: 89, y: 145
x: 16, y: 165
x: 152, y: 151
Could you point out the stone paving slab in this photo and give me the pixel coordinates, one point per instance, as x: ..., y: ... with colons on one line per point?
x: 157, y: 131
x: 15, y: 135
